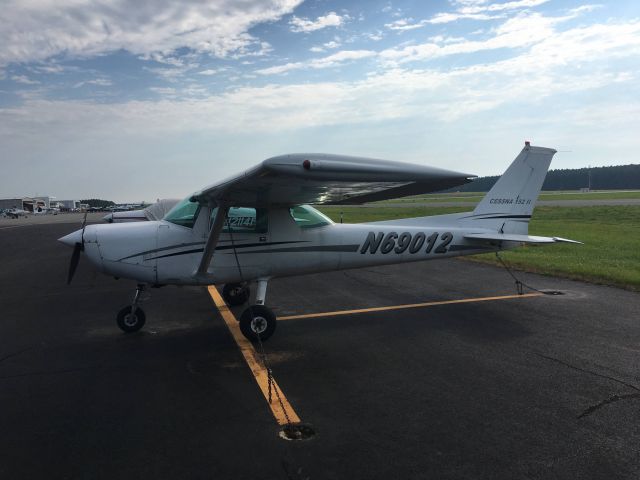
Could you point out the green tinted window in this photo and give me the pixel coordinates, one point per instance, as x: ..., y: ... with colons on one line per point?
x: 308, y: 217
x: 184, y: 213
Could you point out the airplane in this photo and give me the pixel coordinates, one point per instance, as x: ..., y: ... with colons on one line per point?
x: 155, y: 211
x: 16, y: 212
x: 259, y: 225
x: 40, y: 210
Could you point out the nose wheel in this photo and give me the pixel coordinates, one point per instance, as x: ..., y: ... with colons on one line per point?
x: 257, y: 322
x: 131, y: 318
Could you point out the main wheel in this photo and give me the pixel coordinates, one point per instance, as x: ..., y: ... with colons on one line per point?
x: 236, y: 293
x: 131, y: 322
x: 258, y: 321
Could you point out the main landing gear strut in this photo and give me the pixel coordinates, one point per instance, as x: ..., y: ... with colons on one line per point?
x: 131, y: 318
x: 257, y: 322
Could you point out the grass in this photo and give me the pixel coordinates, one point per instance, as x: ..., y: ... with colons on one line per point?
x: 611, y: 235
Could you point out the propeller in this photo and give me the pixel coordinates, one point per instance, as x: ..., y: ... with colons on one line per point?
x: 77, y: 249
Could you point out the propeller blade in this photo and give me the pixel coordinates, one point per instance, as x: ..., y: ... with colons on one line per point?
x: 84, y: 224
x: 75, y: 258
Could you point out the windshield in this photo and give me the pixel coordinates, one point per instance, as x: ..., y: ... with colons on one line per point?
x: 184, y: 213
x: 308, y: 217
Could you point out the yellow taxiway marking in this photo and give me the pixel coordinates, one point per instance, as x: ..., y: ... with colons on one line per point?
x: 280, y: 412
x: 403, y: 307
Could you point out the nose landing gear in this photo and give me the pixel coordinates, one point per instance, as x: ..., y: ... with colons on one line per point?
x: 131, y: 318
x: 258, y: 322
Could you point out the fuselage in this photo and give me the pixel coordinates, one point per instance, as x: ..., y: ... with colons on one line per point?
x: 283, y: 242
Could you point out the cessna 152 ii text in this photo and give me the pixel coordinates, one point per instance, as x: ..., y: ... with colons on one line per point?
x: 258, y: 225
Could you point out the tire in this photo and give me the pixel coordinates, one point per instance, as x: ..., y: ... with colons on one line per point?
x: 258, y: 320
x: 236, y: 294
x: 129, y: 323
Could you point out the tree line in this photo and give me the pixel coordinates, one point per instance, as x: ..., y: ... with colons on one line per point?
x: 619, y: 177
x: 97, y: 202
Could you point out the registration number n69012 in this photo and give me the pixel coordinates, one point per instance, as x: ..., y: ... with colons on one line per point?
x: 392, y: 242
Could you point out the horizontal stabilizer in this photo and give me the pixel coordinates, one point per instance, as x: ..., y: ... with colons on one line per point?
x: 512, y: 237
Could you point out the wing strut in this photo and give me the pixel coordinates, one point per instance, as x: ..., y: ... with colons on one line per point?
x: 212, y: 241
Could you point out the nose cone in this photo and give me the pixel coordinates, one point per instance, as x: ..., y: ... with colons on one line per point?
x: 72, y: 238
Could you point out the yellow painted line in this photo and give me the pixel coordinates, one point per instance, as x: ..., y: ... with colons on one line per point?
x: 255, y: 364
x: 411, y: 305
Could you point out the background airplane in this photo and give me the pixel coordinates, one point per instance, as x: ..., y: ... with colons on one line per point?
x: 153, y: 212
x: 257, y: 226
x: 16, y: 213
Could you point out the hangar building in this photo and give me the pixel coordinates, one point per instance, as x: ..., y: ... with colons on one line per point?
x: 25, y: 203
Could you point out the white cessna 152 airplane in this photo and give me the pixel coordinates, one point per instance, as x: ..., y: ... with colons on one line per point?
x: 258, y: 225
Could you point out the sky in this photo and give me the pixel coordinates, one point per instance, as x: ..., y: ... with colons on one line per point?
x: 138, y: 100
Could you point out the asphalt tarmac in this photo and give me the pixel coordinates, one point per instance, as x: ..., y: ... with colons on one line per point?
x: 532, y: 387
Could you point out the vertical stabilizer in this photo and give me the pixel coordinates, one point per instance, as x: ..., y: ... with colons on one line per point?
x: 516, y: 191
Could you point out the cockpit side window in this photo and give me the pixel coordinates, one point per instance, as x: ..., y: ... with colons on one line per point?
x: 308, y: 217
x: 184, y: 213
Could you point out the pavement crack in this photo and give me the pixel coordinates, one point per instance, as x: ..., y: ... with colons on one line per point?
x: 14, y: 354
x: 612, y: 399
x: 590, y: 372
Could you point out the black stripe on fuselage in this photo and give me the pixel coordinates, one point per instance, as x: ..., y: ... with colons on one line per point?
x: 312, y: 248
x: 221, y: 247
x: 317, y: 248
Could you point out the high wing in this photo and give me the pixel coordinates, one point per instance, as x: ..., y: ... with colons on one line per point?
x: 314, y: 178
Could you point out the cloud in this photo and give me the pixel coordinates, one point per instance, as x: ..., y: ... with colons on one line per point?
x: 564, y: 63
x: 479, y: 10
x: 41, y: 29
x: 558, y: 90
x: 168, y: 92
x: 325, y: 62
x: 375, y: 36
x: 452, y: 17
x: 404, y: 24
x: 520, y: 31
x: 331, y: 19
x: 208, y: 72
x: 333, y: 44
x: 102, y: 82
x: 52, y: 68
x: 478, y: 7
x: 24, y: 80
x: 577, y: 63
